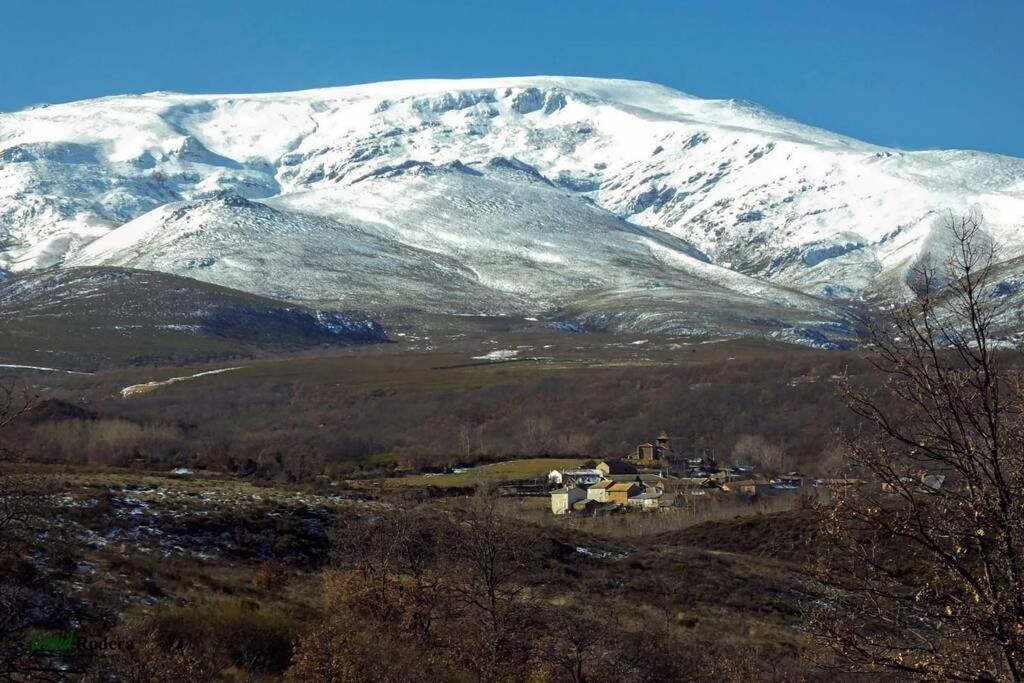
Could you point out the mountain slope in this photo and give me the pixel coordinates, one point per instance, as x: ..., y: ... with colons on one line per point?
x: 472, y: 242
x: 523, y: 195
x: 95, y: 317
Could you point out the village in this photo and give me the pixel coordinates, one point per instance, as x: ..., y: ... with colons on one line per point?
x: 655, y: 477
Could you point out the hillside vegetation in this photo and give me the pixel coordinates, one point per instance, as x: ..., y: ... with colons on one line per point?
x: 374, y: 410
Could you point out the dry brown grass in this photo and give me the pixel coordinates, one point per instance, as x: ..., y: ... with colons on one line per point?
x: 634, y: 524
x: 492, y: 473
x: 707, y: 594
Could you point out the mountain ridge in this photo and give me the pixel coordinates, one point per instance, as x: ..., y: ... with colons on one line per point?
x: 515, y: 195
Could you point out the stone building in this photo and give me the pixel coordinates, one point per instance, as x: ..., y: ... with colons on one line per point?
x: 652, y: 455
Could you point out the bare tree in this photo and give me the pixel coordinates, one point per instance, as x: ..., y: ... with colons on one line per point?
x: 756, y: 450
x: 394, y: 552
x: 447, y: 586
x: 571, y: 644
x: 19, y: 494
x: 373, y: 548
x: 24, y: 501
x: 490, y: 558
x: 923, y: 571
x: 15, y: 400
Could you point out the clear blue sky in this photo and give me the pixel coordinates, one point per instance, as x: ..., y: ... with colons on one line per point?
x: 909, y: 74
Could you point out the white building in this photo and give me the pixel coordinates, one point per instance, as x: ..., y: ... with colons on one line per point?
x: 581, y: 477
x: 562, y: 499
x: 648, y: 500
x: 599, y: 491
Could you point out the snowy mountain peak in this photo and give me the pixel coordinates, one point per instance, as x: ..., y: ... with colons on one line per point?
x: 476, y: 193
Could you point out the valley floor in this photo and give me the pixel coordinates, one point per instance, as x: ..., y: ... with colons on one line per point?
x: 233, y: 503
x: 125, y: 546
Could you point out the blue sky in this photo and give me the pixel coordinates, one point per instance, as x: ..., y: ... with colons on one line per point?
x: 909, y: 74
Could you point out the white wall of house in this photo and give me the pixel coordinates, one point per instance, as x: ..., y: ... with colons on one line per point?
x: 645, y: 502
x: 562, y: 499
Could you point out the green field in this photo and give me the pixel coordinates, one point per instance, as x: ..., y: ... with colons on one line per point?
x: 512, y: 470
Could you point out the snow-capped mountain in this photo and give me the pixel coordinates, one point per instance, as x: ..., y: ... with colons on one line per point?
x: 616, y: 201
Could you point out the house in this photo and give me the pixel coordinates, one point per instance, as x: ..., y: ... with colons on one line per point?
x: 578, y: 477
x: 599, y: 491
x: 790, y: 481
x: 606, y: 494
x: 702, y: 487
x: 655, y: 454
x: 563, y: 499
x: 749, y: 487
x: 646, y: 479
x: 593, y: 507
x: 689, y: 490
x: 643, y: 456
x: 616, y: 466
x: 697, y: 476
x: 671, y: 500
x: 649, y: 498
x: 621, y: 491
x: 704, y: 461
x: 734, y: 474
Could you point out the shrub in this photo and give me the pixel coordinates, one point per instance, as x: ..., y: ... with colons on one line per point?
x: 232, y: 632
x: 270, y: 577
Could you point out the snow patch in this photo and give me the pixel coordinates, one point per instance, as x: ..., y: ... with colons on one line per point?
x: 136, y: 389
x: 500, y: 354
x: 42, y: 369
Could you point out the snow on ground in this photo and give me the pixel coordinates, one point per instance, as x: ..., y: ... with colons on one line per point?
x: 136, y: 389
x: 498, y: 354
x: 42, y: 369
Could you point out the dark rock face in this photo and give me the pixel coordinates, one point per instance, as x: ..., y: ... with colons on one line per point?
x: 514, y: 165
x: 816, y: 255
x: 529, y: 100
x: 51, y: 152
x: 578, y: 183
x: 554, y: 102
x: 232, y: 198
x: 16, y: 155
x: 451, y: 101
x: 418, y: 167
x: 652, y: 197
x: 259, y: 324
